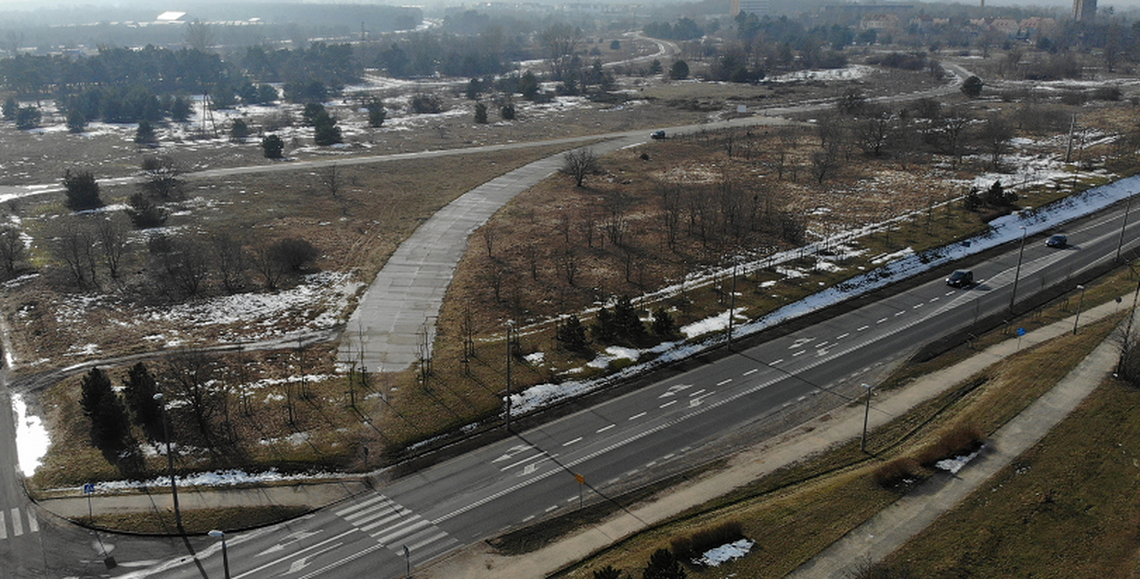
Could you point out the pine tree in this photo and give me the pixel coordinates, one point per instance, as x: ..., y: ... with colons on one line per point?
x: 627, y: 322
x: 109, y: 425
x: 139, y: 390
x: 481, y: 113
x: 572, y: 335
x: 663, y: 324
x: 663, y: 565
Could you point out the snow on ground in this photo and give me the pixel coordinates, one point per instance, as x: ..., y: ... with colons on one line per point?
x: 214, y: 478
x: 725, y: 553
x: 953, y: 465
x: 1002, y: 230
x: 852, y: 72
x: 717, y: 323
x: 32, y: 438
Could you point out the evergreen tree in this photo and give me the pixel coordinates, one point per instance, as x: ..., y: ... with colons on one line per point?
x: 76, y: 120
x: 507, y: 112
x: 180, y: 109
x: 82, y: 190
x: 377, y: 114
x: 109, y: 425
x: 663, y: 324
x: 627, y: 323
x: 528, y: 86
x: 972, y: 87
x: 311, y: 112
x: 607, y: 572
x: 144, y: 212
x: 679, y: 70
x: 572, y: 335
x: 604, y: 329
x: 481, y: 113
x: 273, y: 146
x: 145, y: 134
x: 239, y: 130
x: 663, y: 565
x: 139, y: 390
x: 28, y: 118
x: 325, y: 131
x: 10, y: 108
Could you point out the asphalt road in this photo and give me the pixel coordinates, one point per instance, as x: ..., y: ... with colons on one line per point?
x: 649, y: 433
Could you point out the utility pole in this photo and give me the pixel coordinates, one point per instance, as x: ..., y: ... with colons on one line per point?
x: 866, y: 416
x: 170, y: 462
x: 1120, y: 243
x: 509, y: 326
x: 731, y: 306
x: 1080, y: 305
x: 1017, y: 272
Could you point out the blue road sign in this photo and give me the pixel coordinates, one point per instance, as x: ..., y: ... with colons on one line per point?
x: 88, y: 488
x: 1021, y: 332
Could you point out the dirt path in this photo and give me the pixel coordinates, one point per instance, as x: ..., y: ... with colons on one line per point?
x: 479, y: 561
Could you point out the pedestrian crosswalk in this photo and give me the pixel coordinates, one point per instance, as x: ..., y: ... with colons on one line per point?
x: 12, y: 523
x: 398, y: 528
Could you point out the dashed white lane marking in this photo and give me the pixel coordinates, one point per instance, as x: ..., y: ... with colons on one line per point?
x: 841, y: 336
x: 605, y: 428
x: 530, y: 518
x: 697, y: 393
x: 897, y: 314
x: 669, y: 403
x: 949, y: 293
x: 638, y: 415
x: 861, y: 328
x: 800, y: 353
x: 723, y: 382
x: 542, y: 456
x: 751, y: 372
x: 881, y: 321
x: 774, y: 362
x: 934, y: 299
x: 916, y: 306
x: 569, y: 442
x: 820, y: 345
x: 552, y: 508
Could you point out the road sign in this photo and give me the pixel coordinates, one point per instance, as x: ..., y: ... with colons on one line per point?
x: 88, y: 488
x: 581, y: 479
x: 1021, y: 332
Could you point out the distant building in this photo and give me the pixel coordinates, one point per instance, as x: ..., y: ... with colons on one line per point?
x: 760, y: 8
x: 1084, y: 9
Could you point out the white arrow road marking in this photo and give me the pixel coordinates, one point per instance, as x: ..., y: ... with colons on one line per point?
x: 673, y: 390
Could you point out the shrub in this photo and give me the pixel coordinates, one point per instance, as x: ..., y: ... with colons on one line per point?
x: 427, y: 104
x: 82, y: 190
x: 692, y: 546
x: 28, y: 118
x: 894, y: 474
x: 956, y: 441
x: 273, y: 146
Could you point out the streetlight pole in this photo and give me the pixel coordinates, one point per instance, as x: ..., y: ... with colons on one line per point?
x: 1017, y: 272
x: 225, y: 556
x: 1080, y: 305
x: 866, y: 416
x: 1128, y: 330
x: 731, y: 306
x: 1120, y: 243
x: 170, y: 462
x: 509, y: 326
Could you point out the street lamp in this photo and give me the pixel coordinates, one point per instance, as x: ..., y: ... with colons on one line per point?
x: 170, y: 461
x: 1017, y: 272
x: 1080, y: 305
x: 866, y: 416
x: 1120, y: 242
x: 225, y: 556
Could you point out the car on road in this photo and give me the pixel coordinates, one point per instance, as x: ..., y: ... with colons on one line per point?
x: 657, y: 135
x: 1057, y: 241
x: 961, y: 278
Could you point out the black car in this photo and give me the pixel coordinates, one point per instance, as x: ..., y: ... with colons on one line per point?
x: 1057, y: 241
x: 657, y: 135
x: 961, y: 278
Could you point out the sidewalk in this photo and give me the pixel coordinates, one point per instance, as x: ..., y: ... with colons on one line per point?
x: 479, y: 561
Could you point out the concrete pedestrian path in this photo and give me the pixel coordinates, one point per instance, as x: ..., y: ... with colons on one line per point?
x: 400, y: 307
x: 892, y: 527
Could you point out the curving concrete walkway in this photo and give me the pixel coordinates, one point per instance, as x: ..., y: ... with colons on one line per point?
x: 385, y: 331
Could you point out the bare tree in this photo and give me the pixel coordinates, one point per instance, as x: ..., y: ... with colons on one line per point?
x: 489, y: 234
x: 873, y: 133
x: 569, y: 263
x: 75, y: 247
x: 112, y: 233
x: 330, y: 178
x: 231, y: 260
x: 198, y: 35
x: 823, y: 165
x: 579, y: 164
x: 266, y: 264
x: 191, y: 374
x: 560, y: 42
x: 162, y: 177
x: 12, y: 250
x: 996, y: 135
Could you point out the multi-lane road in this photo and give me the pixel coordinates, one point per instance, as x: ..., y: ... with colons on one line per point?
x: 654, y: 431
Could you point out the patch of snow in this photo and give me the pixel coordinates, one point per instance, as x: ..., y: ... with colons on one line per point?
x: 953, y: 465
x: 535, y: 358
x: 852, y: 72
x: 213, y: 478
x: 725, y: 553
x: 889, y: 257
x: 709, y: 325
x: 32, y: 440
